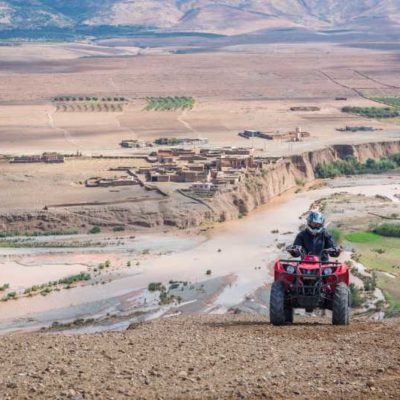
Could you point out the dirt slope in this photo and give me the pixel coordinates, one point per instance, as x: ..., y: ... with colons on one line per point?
x: 208, y: 357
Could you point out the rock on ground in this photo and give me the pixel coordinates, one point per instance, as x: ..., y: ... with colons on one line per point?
x: 206, y: 357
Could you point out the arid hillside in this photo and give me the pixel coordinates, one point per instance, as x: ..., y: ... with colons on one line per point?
x: 208, y: 357
x: 213, y: 16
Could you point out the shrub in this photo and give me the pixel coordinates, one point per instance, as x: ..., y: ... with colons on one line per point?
x: 387, y: 229
x: 300, y: 182
x: 154, y: 286
x: 373, y: 112
x: 390, y: 101
x: 46, y: 291
x: 83, y: 276
x: 118, y: 228
x: 208, y: 272
x: 370, y: 282
x: 4, y: 287
x: 169, y: 103
x: 350, y: 166
x: 10, y: 296
x: 95, y: 230
x: 356, y: 299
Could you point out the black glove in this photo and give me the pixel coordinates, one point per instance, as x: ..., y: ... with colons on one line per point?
x: 338, y: 250
x: 335, y: 252
x: 294, y: 251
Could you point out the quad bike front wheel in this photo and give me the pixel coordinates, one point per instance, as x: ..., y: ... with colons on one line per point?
x: 341, y: 305
x: 279, y: 314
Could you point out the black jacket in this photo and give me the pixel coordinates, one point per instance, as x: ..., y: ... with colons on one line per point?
x: 314, y: 245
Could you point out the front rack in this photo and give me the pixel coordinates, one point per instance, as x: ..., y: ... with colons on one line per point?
x: 311, y: 262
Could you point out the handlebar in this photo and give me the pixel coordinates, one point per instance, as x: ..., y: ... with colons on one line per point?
x: 299, y: 251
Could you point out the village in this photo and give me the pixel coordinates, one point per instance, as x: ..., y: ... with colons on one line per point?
x: 203, y: 171
x: 186, y: 165
x: 194, y: 165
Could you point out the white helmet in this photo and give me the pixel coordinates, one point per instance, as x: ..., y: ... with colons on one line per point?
x: 315, y: 222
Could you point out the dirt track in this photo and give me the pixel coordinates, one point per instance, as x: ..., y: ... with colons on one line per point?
x: 208, y: 357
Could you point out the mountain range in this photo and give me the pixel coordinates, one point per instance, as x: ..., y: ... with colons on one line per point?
x: 229, y: 17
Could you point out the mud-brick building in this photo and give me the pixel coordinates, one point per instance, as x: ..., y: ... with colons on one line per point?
x: 229, y: 177
x: 205, y: 187
x: 26, y: 159
x: 235, y: 162
x: 134, y: 144
x: 49, y: 158
x: 52, y: 158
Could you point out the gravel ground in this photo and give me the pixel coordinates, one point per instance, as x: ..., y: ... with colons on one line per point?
x: 207, y: 357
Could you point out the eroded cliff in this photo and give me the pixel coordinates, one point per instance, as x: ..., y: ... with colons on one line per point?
x: 183, y: 212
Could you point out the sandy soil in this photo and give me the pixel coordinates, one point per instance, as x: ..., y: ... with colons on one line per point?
x: 63, y: 183
x: 213, y: 357
x: 22, y: 276
x: 238, y: 88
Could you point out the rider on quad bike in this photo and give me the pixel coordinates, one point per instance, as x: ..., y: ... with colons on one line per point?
x: 311, y: 281
x: 314, y: 239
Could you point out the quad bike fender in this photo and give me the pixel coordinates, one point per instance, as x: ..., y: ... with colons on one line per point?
x: 343, y: 275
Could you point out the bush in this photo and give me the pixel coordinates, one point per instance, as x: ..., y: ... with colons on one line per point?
x: 10, y: 296
x: 118, y: 228
x: 300, y: 182
x: 95, y: 230
x: 390, y: 101
x: 169, y: 103
x: 370, y: 282
x: 373, y: 112
x: 154, y: 286
x: 387, y: 229
x: 350, y: 166
x: 356, y: 299
x: 83, y: 276
x: 4, y: 287
x: 208, y: 272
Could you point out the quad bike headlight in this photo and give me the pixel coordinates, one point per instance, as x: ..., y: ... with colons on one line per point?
x: 328, y: 271
x: 290, y: 269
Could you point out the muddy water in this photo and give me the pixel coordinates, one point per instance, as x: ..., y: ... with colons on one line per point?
x: 244, y: 249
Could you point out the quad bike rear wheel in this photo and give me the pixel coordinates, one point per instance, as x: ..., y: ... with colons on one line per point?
x: 341, y: 305
x: 279, y: 314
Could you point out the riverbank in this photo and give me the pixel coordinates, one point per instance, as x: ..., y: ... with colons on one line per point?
x: 361, y: 221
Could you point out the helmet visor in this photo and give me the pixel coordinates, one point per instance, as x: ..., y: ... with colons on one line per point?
x: 315, y: 225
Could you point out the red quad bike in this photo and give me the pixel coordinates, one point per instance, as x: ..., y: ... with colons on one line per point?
x: 310, y: 283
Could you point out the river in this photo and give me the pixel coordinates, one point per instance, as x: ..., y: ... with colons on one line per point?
x: 243, y: 250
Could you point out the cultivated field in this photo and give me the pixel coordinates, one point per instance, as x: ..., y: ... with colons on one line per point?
x: 236, y: 88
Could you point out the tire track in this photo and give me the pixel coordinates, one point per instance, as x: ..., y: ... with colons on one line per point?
x: 333, y: 80
x: 66, y: 134
x: 375, y: 81
x: 185, y: 123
